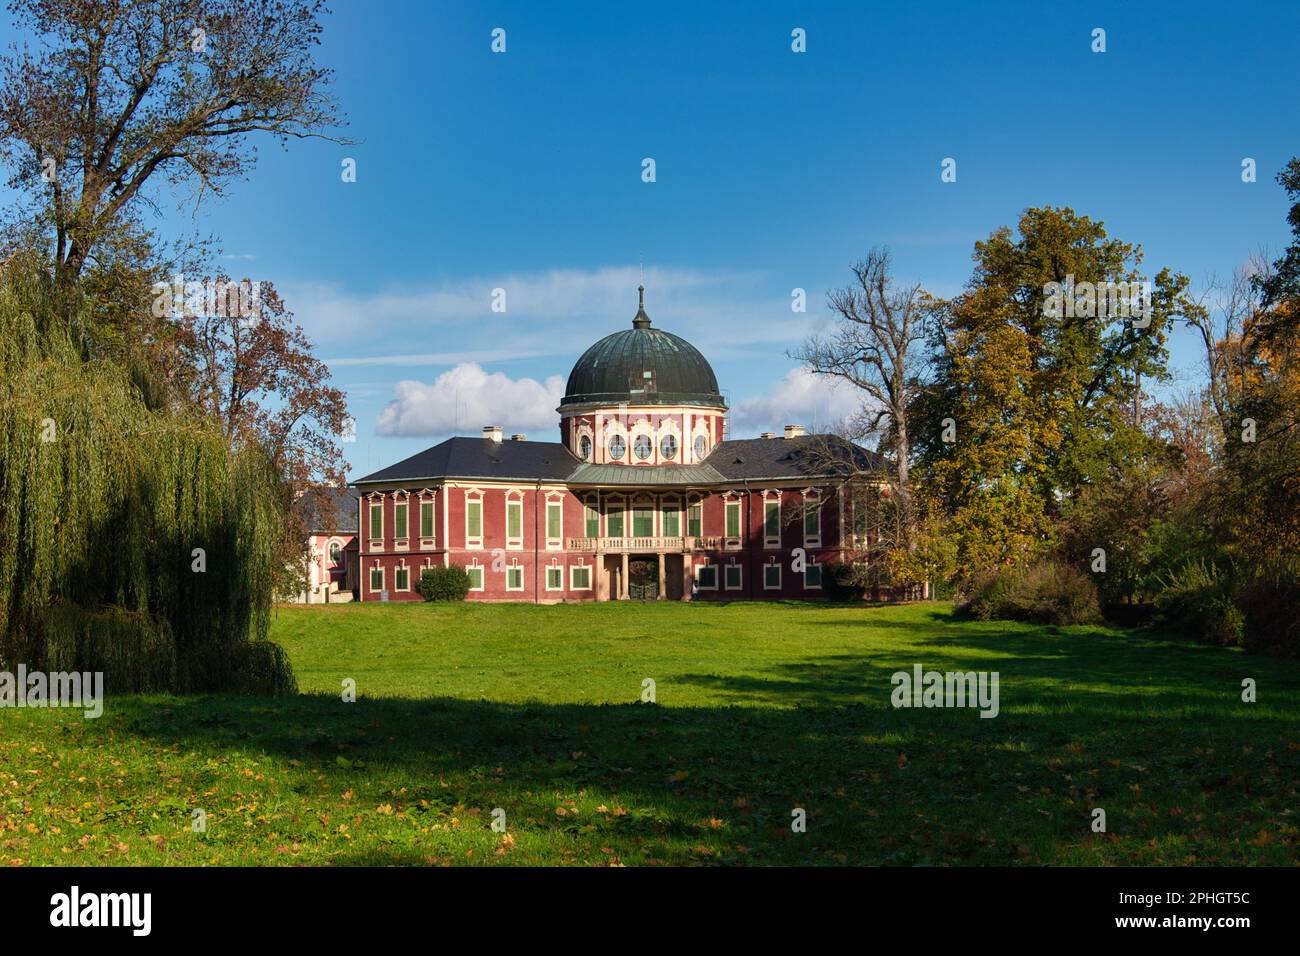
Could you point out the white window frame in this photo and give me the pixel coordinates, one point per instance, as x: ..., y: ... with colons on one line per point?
x: 671, y: 505
x: 514, y: 499
x: 374, y: 542
x: 402, y: 566
x: 482, y: 577
x: 554, y: 499
x: 401, y: 535
x: 512, y: 568
x: 768, y: 567
x: 616, y: 503
x: 726, y: 585
x: 733, y: 542
x: 772, y: 498
x: 811, y: 499
x: 642, y: 504
x: 428, y: 499
x: 573, y: 586
x: 818, y: 585
x: 590, y: 507
x: 706, y: 587
x: 370, y: 579
x: 474, y: 541
x: 692, y: 502
x: 557, y: 568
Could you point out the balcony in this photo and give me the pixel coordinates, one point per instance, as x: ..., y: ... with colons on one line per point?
x: 643, y: 544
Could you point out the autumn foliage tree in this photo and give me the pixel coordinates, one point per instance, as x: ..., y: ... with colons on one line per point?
x: 124, y: 95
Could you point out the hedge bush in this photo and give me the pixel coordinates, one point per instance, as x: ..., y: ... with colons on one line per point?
x: 444, y: 584
x: 1198, y: 600
x: 1041, y: 592
x: 1268, y: 597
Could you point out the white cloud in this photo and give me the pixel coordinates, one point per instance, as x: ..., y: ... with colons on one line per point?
x: 798, y: 398
x: 556, y: 300
x: 465, y: 398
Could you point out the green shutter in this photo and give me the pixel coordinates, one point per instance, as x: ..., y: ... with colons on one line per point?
x: 643, y: 523
x: 376, y: 521
x: 593, y: 522
x: 614, y: 523
x: 695, y: 521
x: 401, y: 521
x: 811, y: 523
x: 733, y: 520
x: 553, y: 515
x: 474, y: 513
x: 514, y: 520
x: 772, y: 519
x: 426, y: 519
x: 672, y: 523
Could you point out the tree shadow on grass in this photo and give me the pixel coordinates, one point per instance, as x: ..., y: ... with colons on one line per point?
x: 645, y: 783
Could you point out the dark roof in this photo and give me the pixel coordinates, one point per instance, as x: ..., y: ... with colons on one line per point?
x: 615, y: 370
x: 808, y: 456
x: 329, y: 510
x: 749, y: 459
x: 482, y: 458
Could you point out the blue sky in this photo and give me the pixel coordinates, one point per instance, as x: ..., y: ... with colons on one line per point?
x: 775, y: 170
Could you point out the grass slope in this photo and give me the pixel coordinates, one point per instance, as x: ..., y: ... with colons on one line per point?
x: 760, y: 709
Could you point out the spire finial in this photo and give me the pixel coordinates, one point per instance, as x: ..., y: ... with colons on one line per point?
x: 642, y: 321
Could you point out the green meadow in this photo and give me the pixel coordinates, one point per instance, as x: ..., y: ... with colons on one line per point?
x: 533, y: 717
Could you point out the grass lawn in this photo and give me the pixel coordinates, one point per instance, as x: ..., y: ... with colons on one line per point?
x: 760, y: 709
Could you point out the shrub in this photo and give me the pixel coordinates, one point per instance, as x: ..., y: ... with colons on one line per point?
x: 444, y: 584
x: 1267, y: 597
x: 1197, y: 600
x: 841, y: 581
x: 1042, y: 592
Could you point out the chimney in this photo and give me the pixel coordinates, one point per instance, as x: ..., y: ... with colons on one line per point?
x: 768, y: 435
x: 492, y: 432
x: 795, y: 431
x: 518, y: 438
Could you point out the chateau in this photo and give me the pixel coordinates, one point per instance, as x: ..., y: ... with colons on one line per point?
x: 642, y: 497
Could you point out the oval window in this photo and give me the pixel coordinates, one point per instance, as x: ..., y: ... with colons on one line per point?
x: 701, y: 446
x: 643, y: 446
x: 668, y: 446
x: 584, y: 448
x: 616, y: 447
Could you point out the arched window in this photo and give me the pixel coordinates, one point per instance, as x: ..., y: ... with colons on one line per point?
x: 336, y: 552
x: 584, y: 448
x: 617, y: 446
x: 701, y: 446
x: 668, y: 446
x: 643, y: 447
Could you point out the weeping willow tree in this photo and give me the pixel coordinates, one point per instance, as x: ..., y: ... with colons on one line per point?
x: 133, y: 540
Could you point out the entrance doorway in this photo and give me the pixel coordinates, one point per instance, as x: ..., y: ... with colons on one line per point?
x: 643, y: 579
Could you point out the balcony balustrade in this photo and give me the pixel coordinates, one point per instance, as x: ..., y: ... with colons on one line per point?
x: 643, y: 544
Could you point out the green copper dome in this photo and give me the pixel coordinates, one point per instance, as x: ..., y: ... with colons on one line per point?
x: 642, y: 366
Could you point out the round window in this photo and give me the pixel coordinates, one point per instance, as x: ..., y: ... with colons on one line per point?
x: 643, y: 446
x: 701, y: 446
x: 584, y: 447
x: 668, y: 446
x: 616, y: 447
